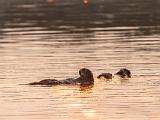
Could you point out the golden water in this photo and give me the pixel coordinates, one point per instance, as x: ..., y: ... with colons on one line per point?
x: 53, y: 39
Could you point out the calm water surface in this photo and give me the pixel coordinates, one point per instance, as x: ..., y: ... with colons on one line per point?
x: 53, y: 39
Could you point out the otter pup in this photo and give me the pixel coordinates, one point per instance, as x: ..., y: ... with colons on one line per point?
x: 105, y: 75
x: 124, y: 73
x: 86, y: 78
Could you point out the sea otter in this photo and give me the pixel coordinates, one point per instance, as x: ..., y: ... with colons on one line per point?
x: 124, y: 73
x: 86, y: 78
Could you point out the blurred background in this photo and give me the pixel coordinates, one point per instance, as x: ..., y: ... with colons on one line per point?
x: 42, y: 39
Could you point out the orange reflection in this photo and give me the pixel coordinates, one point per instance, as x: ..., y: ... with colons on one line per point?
x: 89, y: 113
x: 50, y: 1
x: 86, y: 88
x: 85, y: 1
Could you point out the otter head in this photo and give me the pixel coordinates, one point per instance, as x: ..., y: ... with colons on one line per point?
x: 86, y: 76
x: 124, y: 73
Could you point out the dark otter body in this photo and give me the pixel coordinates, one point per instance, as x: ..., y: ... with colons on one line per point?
x: 124, y: 73
x: 105, y: 75
x: 86, y: 78
x: 47, y: 82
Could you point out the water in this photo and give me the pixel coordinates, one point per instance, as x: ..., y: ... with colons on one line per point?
x: 53, y: 39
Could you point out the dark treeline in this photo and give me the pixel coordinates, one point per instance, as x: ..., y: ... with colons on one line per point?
x: 80, y: 14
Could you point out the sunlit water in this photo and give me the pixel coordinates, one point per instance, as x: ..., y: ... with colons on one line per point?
x: 53, y: 39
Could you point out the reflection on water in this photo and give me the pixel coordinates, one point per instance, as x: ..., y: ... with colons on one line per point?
x: 55, y: 38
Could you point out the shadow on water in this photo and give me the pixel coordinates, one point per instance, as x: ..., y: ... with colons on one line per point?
x: 80, y: 16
